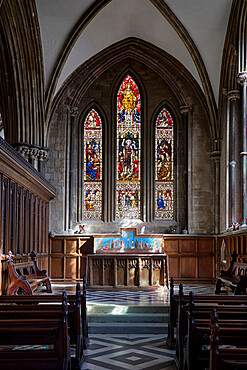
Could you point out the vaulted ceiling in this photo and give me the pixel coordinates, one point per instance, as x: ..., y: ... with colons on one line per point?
x: 190, y: 30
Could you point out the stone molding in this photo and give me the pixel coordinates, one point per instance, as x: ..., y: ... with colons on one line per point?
x: 215, y: 155
x: 185, y: 109
x: 73, y: 111
x: 32, y: 151
x: 233, y: 164
x: 242, y: 78
x: 18, y: 158
x: 233, y: 95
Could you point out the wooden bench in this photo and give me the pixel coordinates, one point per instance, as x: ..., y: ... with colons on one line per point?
x: 174, y: 307
x: 227, y: 305
x: 46, y: 305
x: 235, y: 278
x: 224, y: 358
x: 35, y: 340
x: 26, y: 277
x: 197, y: 342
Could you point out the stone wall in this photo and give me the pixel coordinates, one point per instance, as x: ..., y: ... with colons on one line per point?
x: 155, y: 92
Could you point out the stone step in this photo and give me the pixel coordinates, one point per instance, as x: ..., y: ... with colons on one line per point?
x: 128, y: 328
x: 122, y: 309
x: 128, y: 318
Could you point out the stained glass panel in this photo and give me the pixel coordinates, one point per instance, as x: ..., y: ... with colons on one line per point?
x: 164, y: 166
x: 128, y: 150
x: 93, y: 166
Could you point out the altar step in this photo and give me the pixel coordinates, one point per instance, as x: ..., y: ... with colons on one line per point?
x: 113, y: 319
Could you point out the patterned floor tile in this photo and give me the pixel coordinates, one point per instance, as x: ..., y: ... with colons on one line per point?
x: 127, y: 352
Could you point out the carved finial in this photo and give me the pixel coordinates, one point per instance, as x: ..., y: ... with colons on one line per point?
x: 181, y: 290
x: 10, y: 256
x: 171, y: 286
x: 33, y: 255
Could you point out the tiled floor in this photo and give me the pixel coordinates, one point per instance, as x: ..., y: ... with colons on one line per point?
x: 128, y: 351
x: 157, y: 296
x: 131, y: 351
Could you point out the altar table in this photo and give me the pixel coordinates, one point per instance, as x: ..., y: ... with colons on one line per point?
x: 127, y: 270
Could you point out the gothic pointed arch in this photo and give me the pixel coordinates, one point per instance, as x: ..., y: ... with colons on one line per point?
x: 92, y: 163
x: 128, y: 137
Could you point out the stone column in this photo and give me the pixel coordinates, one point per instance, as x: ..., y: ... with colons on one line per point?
x: 232, y: 96
x: 185, y: 110
x: 242, y: 80
x: 215, y: 156
x: 73, y: 113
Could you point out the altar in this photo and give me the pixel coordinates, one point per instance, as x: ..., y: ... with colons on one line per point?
x: 128, y: 260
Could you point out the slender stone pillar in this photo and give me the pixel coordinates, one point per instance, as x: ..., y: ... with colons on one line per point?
x: 185, y: 110
x: 215, y: 156
x: 233, y: 96
x: 73, y: 113
x: 242, y: 80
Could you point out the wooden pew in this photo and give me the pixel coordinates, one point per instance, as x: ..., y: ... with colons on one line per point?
x: 77, y: 316
x: 224, y: 358
x: 26, y: 277
x: 234, y: 330
x: 174, y: 307
x: 235, y: 278
x: 48, y: 333
x: 202, y: 310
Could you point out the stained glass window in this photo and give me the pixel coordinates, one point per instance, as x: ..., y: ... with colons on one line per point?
x: 128, y: 150
x: 164, y: 166
x: 93, y: 166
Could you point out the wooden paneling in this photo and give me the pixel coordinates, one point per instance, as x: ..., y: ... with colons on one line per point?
x: 171, y: 246
x: 190, y: 258
x: 188, y: 267
x: 206, y: 268
x: 68, y: 257
x: 24, y: 193
x: 187, y: 246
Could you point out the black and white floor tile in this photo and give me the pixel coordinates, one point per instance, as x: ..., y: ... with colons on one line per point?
x: 130, y: 351
x: 124, y: 297
x: 158, y: 296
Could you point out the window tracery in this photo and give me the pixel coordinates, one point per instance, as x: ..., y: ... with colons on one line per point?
x: 164, y: 165
x: 93, y: 166
x: 128, y: 150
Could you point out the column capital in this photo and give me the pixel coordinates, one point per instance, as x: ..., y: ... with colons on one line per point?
x: 233, y: 95
x: 32, y: 151
x: 242, y: 78
x: 185, y: 109
x: 233, y: 164
x: 73, y: 111
x: 215, y: 156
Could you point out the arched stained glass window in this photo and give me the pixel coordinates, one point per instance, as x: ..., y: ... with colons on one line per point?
x: 128, y: 150
x: 164, y: 165
x: 93, y: 166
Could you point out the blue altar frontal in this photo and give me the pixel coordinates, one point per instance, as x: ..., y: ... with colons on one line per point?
x: 128, y: 242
